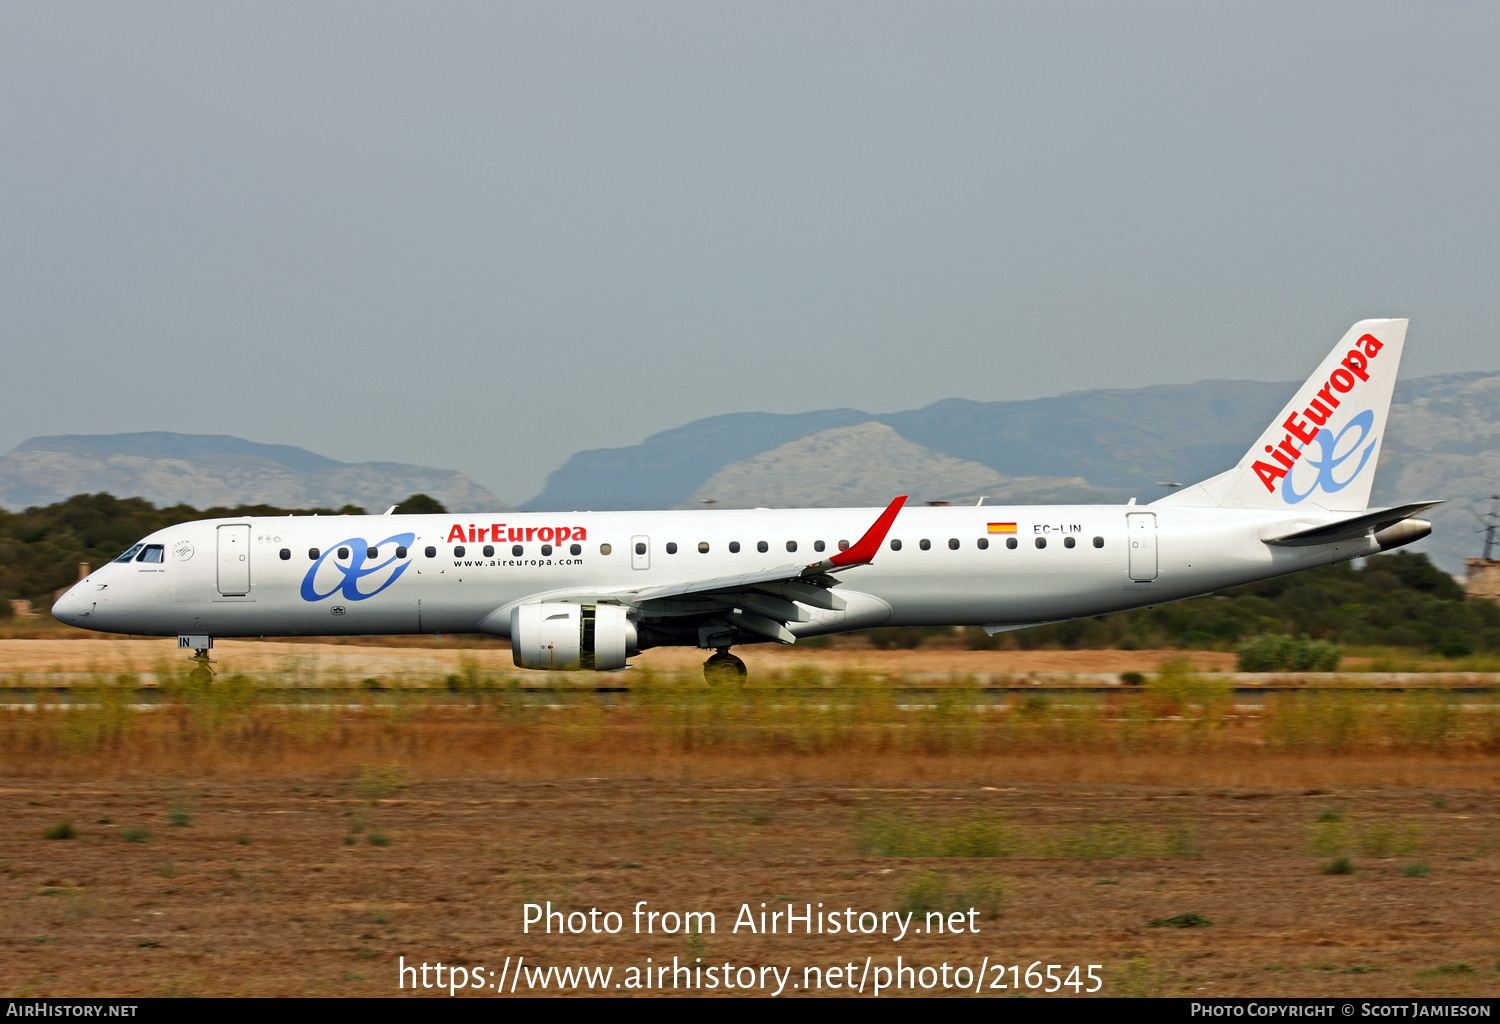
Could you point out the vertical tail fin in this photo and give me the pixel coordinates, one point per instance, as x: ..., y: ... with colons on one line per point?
x: 1321, y: 449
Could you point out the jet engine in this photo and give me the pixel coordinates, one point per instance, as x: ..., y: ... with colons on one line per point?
x: 1404, y: 532
x: 563, y: 637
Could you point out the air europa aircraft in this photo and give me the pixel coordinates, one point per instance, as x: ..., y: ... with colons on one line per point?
x: 587, y: 590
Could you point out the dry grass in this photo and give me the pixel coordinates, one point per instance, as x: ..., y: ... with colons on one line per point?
x: 799, y: 725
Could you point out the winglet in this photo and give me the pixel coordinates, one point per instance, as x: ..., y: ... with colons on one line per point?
x: 862, y: 552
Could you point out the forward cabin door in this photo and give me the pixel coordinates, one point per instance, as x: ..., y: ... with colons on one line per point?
x: 1141, y: 532
x: 234, y: 560
x: 640, y: 552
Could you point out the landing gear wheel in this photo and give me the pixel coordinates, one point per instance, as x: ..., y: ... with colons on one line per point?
x: 724, y: 669
x: 201, y: 675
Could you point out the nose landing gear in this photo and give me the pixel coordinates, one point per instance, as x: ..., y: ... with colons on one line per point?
x: 724, y: 669
x: 201, y: 675
x: 200, y: 646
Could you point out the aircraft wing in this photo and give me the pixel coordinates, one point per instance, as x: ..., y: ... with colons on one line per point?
x: 1355, y: 526
x: 764, y: 602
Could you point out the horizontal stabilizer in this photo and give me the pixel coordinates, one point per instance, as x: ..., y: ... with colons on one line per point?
x: 1347, y: 529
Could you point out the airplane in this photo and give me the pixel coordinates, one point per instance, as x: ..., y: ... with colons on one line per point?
x: 589, y: 590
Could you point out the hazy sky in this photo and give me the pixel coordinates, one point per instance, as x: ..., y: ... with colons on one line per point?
x: 485, y: 236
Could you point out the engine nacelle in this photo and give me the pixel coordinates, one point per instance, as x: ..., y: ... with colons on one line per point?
x: 565, y: 637
x: 1404, y: 532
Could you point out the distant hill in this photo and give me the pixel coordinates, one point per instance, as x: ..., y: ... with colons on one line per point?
x: 214, y: 470
x: 1443, y: 442
x: 867, y: 463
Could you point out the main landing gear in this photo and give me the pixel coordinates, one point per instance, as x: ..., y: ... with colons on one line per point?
x: 724, y: 669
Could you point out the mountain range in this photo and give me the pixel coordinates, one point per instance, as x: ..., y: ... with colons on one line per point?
x: 1443, y: 441
x: 205, y: 470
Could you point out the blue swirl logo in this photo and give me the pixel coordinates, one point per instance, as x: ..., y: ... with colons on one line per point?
x: 350, y: 573
x: 1334, y: 453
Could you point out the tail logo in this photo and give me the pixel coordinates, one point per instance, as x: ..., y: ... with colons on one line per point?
x: 352, y: 568
x: 1308, y: 427
x: 1334, y: 453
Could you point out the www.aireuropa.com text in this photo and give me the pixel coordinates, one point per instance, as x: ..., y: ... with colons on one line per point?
x: 515, y: 976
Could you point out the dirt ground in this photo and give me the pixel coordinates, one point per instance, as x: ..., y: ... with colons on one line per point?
x: 317, y: 884
x: 356, y: 661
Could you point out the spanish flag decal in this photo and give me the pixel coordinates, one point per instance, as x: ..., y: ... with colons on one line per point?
x: 1002, y: 527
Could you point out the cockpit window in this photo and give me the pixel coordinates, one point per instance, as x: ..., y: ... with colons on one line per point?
x: 152, y: 553
x: 129, y: 556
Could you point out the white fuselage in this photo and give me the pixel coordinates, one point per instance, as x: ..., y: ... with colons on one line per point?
x: 309, y: 575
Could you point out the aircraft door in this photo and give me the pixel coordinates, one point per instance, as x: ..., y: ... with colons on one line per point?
x: 1140, y: 531
x: 640, y: 552
x: 234, y: 560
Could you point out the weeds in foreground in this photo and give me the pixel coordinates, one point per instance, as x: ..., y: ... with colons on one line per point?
x: 938, y: 893
x: 907, y: 835
x: 1371, y: 837
x: 182, y: 810
x: 1447, y: 969
x: 1182, y: 921
x: 1140, y: 979
x: 62, y: 830
x: 375, y: 783
x: 1338, y: 866
x: 804, y: 712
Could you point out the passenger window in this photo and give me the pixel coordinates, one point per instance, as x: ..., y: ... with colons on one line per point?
x: 129, y: 556
x: 1098, y: 542
x: 400, y: 552
x: 762, y: 547
x: 372, y: 552
x: 343, y: 552
x: 817, y: 545
x: 895, y: 544
x: 703, y: 547
x: 546, y: 549
x: 734, y: 547
x: 312, y: 554
x: 1068, y: 542
x: 458, y: 552
x: 1010, y: 542
x: 575, y: 549
x: 489, y: 551
x: 671, y: 547
x: 286, y: 554
x: 152, y: 553
x: 791, y: 545
x: 843, y: 545
x: 1041, y: 542
x: 430, y: 551
x: 952, y: 543
x: 983, y: 543
x: 605, y: 549
x: 925, y: 544
x: 516, y: 550
x: 640, y: 549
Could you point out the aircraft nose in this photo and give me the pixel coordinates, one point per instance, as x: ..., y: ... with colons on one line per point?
x: 73, y: 607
